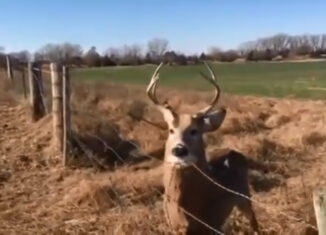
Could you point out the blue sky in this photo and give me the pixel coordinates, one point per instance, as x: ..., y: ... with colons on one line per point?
x: 190, y: 26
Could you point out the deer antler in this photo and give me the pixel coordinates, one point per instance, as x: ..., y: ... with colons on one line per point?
x: 151, y: 88
x: 211, y: 80
x: 168, y: 112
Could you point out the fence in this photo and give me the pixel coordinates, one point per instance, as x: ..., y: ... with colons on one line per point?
x: 54, y: 97
x: 44, y: 96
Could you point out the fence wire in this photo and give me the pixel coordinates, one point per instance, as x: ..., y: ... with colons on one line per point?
x: 44, y: 84
x: 258, y: 203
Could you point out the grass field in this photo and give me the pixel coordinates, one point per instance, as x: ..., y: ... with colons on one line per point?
x: 268, y: 79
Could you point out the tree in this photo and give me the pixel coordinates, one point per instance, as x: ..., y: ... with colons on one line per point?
x: 278, y: 42
x: 131, y: 55
x: 114, y: 54
x: 156, y: 48
x: 126, y: 55
x: 22, y: 56
x: 2, y: 49
x: 214, y: 53
x: 304, y: 49
x: 193, y: 59
x: 284, y: 45
x: 170, y: 57
x: 247, y: 47
x: 250, y: 55
x: 203, y: 56
x: 323, y: 42
x: 76, y: 61
x: 107, y: 61
x: 229, y: 56
x: 59, y: 52
x: 181, y: 60
x: 92, y: 58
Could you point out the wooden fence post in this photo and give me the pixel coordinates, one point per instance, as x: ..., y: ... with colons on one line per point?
x: 57, y: 109
x: 9, y: 69
x: 30, y: 83
x: 24, y: 82
x: 35, y: 89
x: 319, y: 198
x: 66, y: 113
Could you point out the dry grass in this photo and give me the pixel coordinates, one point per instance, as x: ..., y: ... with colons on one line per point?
x: 284, y: 139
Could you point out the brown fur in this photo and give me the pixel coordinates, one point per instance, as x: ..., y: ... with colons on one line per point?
x: 186, y: 188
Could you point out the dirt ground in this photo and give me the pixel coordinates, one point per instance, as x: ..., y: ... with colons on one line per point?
x: 283, y: 138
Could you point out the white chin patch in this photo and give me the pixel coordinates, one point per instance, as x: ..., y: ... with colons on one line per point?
x: 182, y: 162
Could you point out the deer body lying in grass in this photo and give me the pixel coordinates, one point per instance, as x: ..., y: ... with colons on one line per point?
x: 193, y: 204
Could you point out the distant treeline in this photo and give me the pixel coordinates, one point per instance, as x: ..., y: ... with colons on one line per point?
x: 277, y: 47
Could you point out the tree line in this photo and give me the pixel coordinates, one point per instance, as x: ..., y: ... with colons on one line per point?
x: 276, y: 47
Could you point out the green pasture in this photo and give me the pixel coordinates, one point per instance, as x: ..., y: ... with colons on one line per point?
x: 282, y: 79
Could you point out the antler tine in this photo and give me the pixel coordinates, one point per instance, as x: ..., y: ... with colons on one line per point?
x: 151, y: 88
x: 211, y: 80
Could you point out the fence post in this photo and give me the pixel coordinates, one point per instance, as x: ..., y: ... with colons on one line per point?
x: 30, y: 83
x: 319, y: 197
x: 24, y: 82
x: 36, y: 98
x: 57, y: 109
x: 66, y: 113
x: 9, y: 69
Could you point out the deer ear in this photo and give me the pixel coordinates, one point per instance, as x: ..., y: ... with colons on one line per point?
x: 170, y: 117
x: 212, y: 121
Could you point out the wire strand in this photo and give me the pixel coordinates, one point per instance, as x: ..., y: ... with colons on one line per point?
x: 260, y: 204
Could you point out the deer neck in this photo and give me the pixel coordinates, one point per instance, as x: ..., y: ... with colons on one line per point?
x: 181, y: 180
x: 185, y: 188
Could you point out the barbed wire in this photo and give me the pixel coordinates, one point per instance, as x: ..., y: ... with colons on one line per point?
x: 108, y: 147
x: 260, y: 204
x: 124, y: 162
x: 41, y: 88
x: 42, y: 70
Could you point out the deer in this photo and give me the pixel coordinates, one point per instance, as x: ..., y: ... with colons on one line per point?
x: 192, y: 203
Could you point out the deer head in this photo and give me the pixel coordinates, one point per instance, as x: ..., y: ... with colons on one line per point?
x: 185, y: 145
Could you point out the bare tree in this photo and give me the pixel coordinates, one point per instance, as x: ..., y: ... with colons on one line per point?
x: 279, y: 42
x: 22, y: 56
x: 214, y: 53
x: 246, y: 47
x: 229, y: 56
x: 157, y: 47
x: 92, y: 57
x: 315, y: 41
x: 323, y: 42
x: 283, y: 44
x: 113, y: 53
x: 131, y: 55
x: 133, y: 51
x: 59, y: 52
x: 294, y: 42
x: 126, y: 55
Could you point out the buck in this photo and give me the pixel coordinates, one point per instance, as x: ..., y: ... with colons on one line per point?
x: 193, y: 204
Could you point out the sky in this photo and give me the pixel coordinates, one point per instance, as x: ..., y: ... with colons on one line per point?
x: 190, y: 26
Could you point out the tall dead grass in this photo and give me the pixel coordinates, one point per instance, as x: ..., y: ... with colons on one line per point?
x: 283, y: 139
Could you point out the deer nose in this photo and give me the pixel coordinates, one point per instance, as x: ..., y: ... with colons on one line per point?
x: 180, y: 151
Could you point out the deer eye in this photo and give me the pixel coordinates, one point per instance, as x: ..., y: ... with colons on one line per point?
x: 171, y: 131
x: 193, y: 132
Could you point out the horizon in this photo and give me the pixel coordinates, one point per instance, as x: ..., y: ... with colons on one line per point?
x: 190, y: 27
